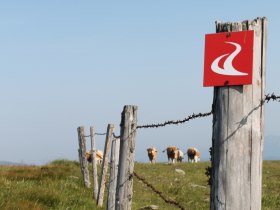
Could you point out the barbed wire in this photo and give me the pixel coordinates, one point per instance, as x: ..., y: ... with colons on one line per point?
x: 267, y: 98
x: 272, y: 97
x: 175, y: 122
x: 159, y: 193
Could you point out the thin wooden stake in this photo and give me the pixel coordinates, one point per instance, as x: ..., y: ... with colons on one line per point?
x: 100, y: 197
x: 82, y: 156
x: 94, y: 166
x: 115, y: 151
x: 126, y: 160
x: 238, y: 121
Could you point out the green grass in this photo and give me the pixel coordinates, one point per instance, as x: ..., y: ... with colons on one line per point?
x: 271, y: 185
x: 59, y: 185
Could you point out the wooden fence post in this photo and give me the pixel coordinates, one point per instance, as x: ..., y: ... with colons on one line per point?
x: 126, y: 159
x: 82, y: 156
x: 237, y: 138
x: 107, y: 146
x: 94, y: 166
x: 115, y: 151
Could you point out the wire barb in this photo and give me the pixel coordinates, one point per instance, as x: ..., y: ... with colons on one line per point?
x: 272, y: 97
x: 176, y: 122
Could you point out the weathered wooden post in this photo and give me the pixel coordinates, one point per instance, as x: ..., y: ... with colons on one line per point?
x: 94, y: 166
x: 82, y: 156
x: 107, y: 146
x: 126, y: 159
x: 237, y: 141
x: 115, y: 151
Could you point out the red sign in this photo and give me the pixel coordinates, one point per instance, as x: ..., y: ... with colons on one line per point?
x: 228, y: 58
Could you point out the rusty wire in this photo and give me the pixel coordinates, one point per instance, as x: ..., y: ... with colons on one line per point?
x: 160, y: 194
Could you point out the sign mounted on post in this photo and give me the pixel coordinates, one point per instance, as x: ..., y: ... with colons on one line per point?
x: 228, y: 58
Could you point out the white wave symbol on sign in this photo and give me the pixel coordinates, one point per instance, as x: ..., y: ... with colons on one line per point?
x: 228, y: 68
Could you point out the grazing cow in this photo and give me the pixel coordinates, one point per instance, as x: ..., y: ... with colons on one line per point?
x: 180, y: 156
x: 193, y: 155
x: 152, y: 153
x: 172, y: 154
x: 99, y: 156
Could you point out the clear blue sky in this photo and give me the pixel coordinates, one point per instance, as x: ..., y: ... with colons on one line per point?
x: 66, y: 64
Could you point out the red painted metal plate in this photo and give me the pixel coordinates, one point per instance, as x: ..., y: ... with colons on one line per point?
x: 228, y: 58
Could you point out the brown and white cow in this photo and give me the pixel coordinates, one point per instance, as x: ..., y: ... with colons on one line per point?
x: 172, y: 154
x: 193, y: 154
x: 152, y: 153
x: 99, y: 156
x: 180, y: 156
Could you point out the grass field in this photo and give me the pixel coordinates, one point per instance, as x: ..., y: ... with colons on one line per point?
x: 59, y: 185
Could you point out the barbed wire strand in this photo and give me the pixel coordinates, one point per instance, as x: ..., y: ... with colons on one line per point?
x: 160, y: 194
x: 268, y: 97
x: 272, y: 97
x: 175, y: 122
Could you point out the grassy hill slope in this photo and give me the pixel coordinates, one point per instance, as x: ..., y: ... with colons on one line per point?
x: 59, y: 185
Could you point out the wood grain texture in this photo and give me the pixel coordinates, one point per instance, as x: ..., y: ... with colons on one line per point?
x: 126, y: 159
x: 114, y: 164
x: 94, y: 165
x: 82, y: 156
x: 237, y: 138
x: 104, y: 169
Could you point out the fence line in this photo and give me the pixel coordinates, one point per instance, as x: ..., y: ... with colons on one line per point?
x: 268, y: 98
